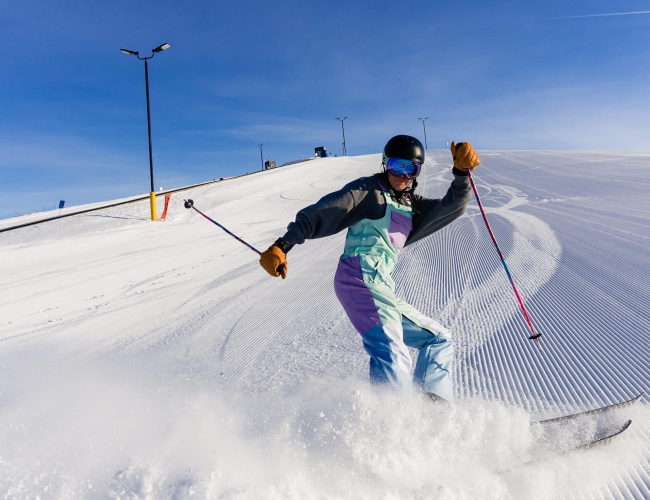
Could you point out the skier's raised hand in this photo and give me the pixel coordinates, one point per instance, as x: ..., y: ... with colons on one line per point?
x: 274, y: 261
x: 464, y: 155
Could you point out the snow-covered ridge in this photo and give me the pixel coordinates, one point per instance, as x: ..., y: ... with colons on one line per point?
x: 11, y: 223
x: 156, y: 360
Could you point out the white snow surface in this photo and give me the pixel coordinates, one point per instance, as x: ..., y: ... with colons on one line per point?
x: 144, y: 360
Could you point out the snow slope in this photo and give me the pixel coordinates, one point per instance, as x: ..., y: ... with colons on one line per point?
x: 157, y: 360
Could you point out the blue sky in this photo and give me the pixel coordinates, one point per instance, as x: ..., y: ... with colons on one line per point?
x: 501, y: 74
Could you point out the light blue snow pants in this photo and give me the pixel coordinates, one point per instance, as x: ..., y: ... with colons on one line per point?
x: 389, y: 366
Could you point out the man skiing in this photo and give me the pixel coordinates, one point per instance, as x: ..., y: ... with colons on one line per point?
x: 383, y: 214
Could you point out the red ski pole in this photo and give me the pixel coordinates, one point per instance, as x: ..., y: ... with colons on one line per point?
x: 190, y: 204
x: 535, y: 336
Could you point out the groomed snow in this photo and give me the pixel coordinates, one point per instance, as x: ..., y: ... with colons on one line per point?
x: 157, y: 360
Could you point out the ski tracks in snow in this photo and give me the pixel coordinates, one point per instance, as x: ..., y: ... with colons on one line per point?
x: 484, y: 305
x: 456, y: 276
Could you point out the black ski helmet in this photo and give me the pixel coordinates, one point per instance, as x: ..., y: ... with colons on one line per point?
x: 404, y: 147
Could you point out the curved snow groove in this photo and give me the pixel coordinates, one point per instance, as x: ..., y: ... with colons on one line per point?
x: 627, y: 279
x: 479, y: 307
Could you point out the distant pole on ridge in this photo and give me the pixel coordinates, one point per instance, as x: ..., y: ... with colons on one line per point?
x: 425, y: 131
x: 261, y: 155
x: 160, y: 48
x: 345, y: 151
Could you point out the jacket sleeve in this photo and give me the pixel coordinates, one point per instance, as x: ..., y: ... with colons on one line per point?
x: 432, y: 215
x: 358, y: 200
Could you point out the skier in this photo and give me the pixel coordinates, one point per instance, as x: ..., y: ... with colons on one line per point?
x: 383, y: 214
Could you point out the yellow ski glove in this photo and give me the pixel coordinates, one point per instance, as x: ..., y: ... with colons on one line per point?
x: 465, y: 158
x: 274, y: 261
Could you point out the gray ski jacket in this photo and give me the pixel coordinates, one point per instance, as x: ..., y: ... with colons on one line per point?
x: 363, y: 199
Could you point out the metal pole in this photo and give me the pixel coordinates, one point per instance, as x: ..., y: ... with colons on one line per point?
x: 345, y: 152
x: 261, y: 155
x: 152, y: 194
x: 146, y: 83
x: 160, y: 48
x: 426, y: 146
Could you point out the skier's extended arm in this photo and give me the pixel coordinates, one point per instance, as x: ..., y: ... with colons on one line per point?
x: 432, y: 215
x: 358, y: 200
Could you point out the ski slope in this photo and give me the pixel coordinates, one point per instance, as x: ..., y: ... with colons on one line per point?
x: 158, y: 360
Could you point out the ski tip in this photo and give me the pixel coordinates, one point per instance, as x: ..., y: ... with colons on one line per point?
x: 611, y: 436
x: 605, y: 440
x: 595, y: 411
x: 633, y: 400
x: 189, y: 203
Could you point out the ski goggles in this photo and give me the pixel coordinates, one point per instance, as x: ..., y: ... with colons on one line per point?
x: 403, y: 168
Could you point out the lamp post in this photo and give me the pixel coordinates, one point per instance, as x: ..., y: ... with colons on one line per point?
x: 160, y: 48
x: 345, y: 151
x: 425, y: 131
x: 261, y: 155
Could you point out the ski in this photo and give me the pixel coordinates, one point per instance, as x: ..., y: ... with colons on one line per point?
x: 601, y: 441
x: 604, y: 440
x: 595, y: 411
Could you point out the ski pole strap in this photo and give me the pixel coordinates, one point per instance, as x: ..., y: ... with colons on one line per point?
x: 191, y: 205
x: 535, y: 336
